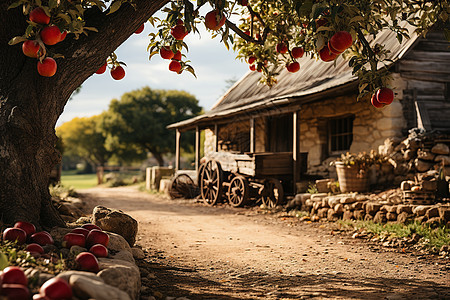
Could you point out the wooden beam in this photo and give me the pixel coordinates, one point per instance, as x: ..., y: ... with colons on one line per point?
x: 252, y: 135
x: 295, y: 150
x: 216, y: 137
x: 197, y: 148
x: 177, y: 149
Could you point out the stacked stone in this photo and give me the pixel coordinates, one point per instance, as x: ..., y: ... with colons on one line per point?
x: 388, y: 208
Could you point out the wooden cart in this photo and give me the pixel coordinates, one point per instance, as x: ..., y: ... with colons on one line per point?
x: 243, y: 177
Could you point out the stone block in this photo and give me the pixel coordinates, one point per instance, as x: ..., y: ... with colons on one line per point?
x: 440, y: 148
x: 421, y: 165
x: 322, y: 185
x: 443, y: 159
x: 359, y: 214
x: 404, y: 208
x: 425, y: 155
x: 121, y: 274
x: 403, y: 217
x: 318, y: 196
x: 380, y: 217
x: 86, y: 288
x: 348, y: 215
x: 421, y: 210
x: 372, y: 208
x: 332, y: 216
x: 368, y: 217
x: 116, y: 221
x: 347, y: 200
x: 339, y: 208
x: 322, y: 212
x: 391, y: 216
x: 432, y: 212
x: 444, y: 213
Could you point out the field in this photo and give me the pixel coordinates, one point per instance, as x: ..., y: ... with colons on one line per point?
x: 78, y: 181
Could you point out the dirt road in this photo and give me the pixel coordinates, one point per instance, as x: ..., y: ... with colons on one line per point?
x: 202, y: 252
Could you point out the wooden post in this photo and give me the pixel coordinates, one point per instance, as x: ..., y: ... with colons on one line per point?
x: 296, y: 150
x: 252, y: 135
x: 216, y: 138
x: 197, y: 148
x: 177, y: 149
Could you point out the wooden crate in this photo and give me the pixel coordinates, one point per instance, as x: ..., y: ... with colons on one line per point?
x: 418, y: 197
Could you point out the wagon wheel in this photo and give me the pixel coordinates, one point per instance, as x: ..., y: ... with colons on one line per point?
x: 182, y: 186
x: 199, y: 173
x: 211, y: 180
x: 238, y: 191
x: 273, y: 193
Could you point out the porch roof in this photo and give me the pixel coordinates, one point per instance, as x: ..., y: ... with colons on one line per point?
x: 314, y: 81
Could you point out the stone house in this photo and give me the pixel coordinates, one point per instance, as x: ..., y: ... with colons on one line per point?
x: 315, y: 111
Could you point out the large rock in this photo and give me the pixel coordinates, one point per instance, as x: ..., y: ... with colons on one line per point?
x: 443, y: 159
x: 425, y: 155
x: 441, y: 148
x: 86, y: 288
x: 117, y: 243
x: 444, y: 213
x: 372, y: 208
x: 116, y: 221
x: 89, y: 275
x: 121, y: 274
x: 422, y: 166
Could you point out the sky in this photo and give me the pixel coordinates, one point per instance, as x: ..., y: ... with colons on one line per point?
x: 212, y: 62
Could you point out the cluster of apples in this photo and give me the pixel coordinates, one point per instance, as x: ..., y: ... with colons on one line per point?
x: 23, y: 232
x: 14, y: 286
x: 92, y: 237
x: 296, y: 53
x: 166, y: 53
x: 337, y: 44
x: 117, y: 71
x: 49, y: 35
x: 382, y: 97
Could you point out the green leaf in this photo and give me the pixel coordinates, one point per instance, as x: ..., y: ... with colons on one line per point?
x: 15, y: 4
x: 16, y: 40
x: 52, y: 4
x: 91, y: 29
x: 64, y: 17
x: 114, y: 7
x: 3, y: 261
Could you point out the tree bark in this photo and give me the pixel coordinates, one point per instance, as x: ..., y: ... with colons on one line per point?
x: 30, y: 104
x: 159, y: 158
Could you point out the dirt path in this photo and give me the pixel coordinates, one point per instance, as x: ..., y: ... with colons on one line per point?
x: 220, y: 252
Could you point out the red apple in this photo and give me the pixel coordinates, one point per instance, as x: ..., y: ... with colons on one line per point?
x: 63, y: 36
x: 177, y: 55
x: 47, y: 68
x: 15, y: 235
x: 375, y: 102
x: 96, y: 236
x: 179, y: 32
x: 332, y: 50
x: 175, y: 66
x: 39, y: 16
x: 40, y: 297
x: 80, y: 230
x: 14, y: 275
x: 341, y: 40
x: 74, y: 239
x: 29, y: 228
x: 15, y: 292
x: 293, y: 67
x: 385, y: 96
x: 326, y: 55
x: 166, y: 52
x: 247, y: 32
x: 251, y: 60
x: 140, y: 29
x: 214, y: 20
x: 252, y: 67
x: 282, y: 48
x: 297, y: 52
x: 117, y: 72
x: 102, y: 69
x: 42, y: 238
x: 90, y: 226
x: 87, y: 262
x: 99, y: 250
x: 56, y: 289
x: 35, y: 248
x: 30, y: 48
x: 51, y: 35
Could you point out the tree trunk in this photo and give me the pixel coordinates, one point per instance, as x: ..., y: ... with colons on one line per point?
x: 159, y: 158
x: 30, y: 104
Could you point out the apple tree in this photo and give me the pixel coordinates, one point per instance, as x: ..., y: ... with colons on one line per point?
x: 50, y: 47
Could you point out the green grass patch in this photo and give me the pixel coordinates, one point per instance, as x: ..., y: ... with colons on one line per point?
x: 431, y: 237
x: 78, y: 181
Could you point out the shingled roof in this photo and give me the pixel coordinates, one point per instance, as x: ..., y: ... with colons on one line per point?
x: 313, y: 78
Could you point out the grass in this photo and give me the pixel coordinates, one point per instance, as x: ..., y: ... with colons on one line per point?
x: 431, y: 237
x: 78, y: 181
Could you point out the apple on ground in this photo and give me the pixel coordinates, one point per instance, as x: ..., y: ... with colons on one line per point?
x: 13, y: 275
x: 15, y: 291
x: 74, y: 239
x: 80, y: 230
x: 28, y: 227
x: 96, y: 236
x: 47, y: 68
x: 30, y: 48
x: 385, y: 96
x: 56, y: 289
x: 87, y: 262
x: 39, y: 16
x: 42, y: 238
x: 15, y: 235
x: 99, y: 250
x: 117, y: 72
x: 51, y: 35
x: 175, y: 66
x: 35, y: 248
x: 90, y: 226
x: 214, y: 20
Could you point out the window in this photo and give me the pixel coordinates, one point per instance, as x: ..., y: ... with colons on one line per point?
x: 340, y: 134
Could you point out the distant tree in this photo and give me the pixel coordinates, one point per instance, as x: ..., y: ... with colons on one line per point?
x: 82, y: 137
x: 140, y: 117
